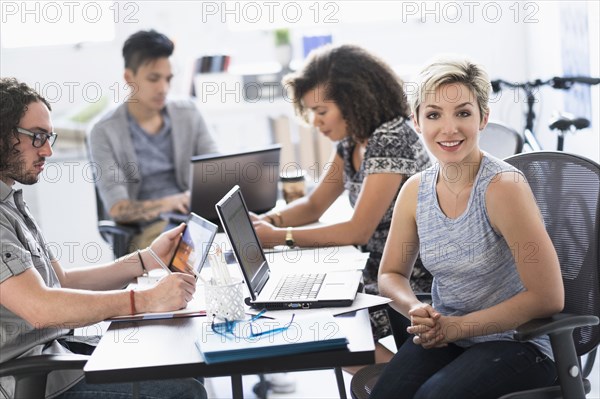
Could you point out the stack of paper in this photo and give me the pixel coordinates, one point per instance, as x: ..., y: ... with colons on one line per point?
x: 253, y: 339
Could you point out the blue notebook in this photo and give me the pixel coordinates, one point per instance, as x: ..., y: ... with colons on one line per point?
x: 253, y: 339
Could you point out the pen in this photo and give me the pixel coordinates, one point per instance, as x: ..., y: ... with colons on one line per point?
x: 202, y: 279
x: 159, y: 260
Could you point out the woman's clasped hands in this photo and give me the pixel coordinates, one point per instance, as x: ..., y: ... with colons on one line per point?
x: 427, y: 326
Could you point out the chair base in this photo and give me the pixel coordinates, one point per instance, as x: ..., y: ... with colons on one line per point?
x: 552, y: 392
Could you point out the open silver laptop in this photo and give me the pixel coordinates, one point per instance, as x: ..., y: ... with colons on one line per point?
x: 256, y: 171
x: 283, y: 291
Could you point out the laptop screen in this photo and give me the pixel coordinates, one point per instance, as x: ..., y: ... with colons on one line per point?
x: 194, y: 246
x: 244, y: 241
x: 256, y: 172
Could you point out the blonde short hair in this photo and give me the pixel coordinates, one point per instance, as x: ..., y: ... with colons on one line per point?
x: 451, y: 69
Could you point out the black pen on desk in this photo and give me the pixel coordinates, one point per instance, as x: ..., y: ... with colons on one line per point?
x: 159, y: 260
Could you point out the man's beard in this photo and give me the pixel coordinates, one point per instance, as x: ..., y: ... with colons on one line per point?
x: 17, y: 171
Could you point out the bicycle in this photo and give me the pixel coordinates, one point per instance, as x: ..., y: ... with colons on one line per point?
x: 563, y: 122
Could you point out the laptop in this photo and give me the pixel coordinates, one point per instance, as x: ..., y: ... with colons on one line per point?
x: 256, y: 172
x: 280, y: 291
x: 194, y: 246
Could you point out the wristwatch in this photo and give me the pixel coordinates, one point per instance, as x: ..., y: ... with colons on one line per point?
x: 289, y: 238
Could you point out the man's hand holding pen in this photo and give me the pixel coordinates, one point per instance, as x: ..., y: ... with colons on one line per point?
x: 175, y: 290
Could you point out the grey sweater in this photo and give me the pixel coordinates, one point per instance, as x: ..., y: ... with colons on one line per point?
x: 116, y: 162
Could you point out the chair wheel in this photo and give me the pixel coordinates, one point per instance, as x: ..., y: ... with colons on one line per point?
x: 261, y: 388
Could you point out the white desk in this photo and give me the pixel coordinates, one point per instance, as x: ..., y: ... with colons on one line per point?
x: 162, y: 349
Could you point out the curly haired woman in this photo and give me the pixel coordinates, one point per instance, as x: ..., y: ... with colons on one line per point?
x: 355, y: 99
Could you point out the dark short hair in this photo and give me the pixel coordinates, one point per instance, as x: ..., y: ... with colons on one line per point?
x: 365, y: 89
x: 145, y: 46
x: 14, y: 99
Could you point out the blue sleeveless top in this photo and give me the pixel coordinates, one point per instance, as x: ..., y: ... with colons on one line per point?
x: 472, y: 265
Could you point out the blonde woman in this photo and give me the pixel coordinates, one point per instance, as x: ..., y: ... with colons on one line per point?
x: 476, y: 225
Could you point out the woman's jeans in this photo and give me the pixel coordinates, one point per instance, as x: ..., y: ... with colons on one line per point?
x: 484, y: 370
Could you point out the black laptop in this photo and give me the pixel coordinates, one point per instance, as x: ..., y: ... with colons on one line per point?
x: 255, y: 171
x: 283, y: 291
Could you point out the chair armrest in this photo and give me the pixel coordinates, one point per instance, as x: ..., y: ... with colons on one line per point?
x: 118, y: 236
x: 555, y: 324
x: 42, y: 364
x: 110, y: 227
x: 560, y: 329
x: 31, y: 373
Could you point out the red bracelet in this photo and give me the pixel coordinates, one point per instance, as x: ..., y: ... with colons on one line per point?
x: 132, y: 302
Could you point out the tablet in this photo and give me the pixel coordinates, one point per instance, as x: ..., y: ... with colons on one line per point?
x: 194, y: 246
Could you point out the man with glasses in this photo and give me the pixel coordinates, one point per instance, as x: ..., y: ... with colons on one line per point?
x: 40, y: 302
x: 144, y: 146
x: 38, y: 138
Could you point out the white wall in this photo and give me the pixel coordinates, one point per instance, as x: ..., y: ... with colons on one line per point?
x: 544, y: 61
x: 399, y: 38
x: 517, y: 41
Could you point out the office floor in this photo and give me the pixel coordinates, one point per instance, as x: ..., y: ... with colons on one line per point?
x: 321, y: 384
x: 309, y: 384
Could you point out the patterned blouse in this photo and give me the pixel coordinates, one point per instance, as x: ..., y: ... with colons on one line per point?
x: 394, y: 147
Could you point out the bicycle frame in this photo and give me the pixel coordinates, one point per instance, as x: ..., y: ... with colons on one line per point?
x: 561, y: 83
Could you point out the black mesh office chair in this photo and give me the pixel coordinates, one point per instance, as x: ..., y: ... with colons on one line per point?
x: 500, y: 140
x: 567, y: 190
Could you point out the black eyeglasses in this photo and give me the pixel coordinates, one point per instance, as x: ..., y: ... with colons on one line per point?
x: 38, y: 138
x: 228, y: 328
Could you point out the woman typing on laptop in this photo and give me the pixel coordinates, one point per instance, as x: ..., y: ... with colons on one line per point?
x: 356, y: 100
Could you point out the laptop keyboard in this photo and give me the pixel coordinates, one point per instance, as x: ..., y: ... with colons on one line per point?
x: 298, y: 287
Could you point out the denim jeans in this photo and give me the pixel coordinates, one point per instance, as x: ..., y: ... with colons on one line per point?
x: 186, y: 388
x: 485, y: 370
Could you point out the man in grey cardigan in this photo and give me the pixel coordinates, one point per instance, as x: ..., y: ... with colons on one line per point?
x: 143, y: 147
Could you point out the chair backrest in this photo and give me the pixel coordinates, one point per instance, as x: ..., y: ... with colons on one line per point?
x: 500, y: 140
x: 100, y: 211
x: 567, y: 191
